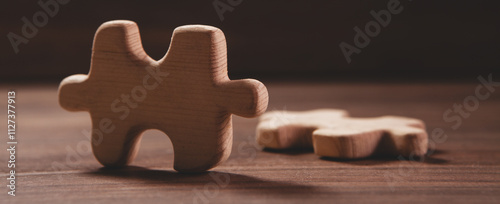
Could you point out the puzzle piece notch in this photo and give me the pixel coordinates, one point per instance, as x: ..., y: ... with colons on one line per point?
x: 333, y: 134
x: 186, y: 94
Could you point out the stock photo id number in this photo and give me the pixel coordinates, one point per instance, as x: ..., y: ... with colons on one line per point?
x: 11, y: 142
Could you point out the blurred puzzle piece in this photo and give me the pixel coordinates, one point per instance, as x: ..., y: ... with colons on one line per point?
x: 332, y: 133
x: 186, y: 94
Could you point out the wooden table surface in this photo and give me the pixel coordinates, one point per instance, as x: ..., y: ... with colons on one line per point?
x: 54, y: 164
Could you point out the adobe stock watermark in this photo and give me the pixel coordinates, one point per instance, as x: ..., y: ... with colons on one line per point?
x: 221, y: 6
x: 455, y: 115
x: 29, y: 29
x: 372, y: 29
x: 122, y: 106
x: 11, y: 141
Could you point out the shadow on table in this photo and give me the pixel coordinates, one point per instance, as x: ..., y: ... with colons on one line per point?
x: 374, y: 160
x: 298, y: 151
x: 208, y: 180
x: 430, y: 159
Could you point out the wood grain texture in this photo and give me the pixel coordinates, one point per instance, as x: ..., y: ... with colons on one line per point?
x: 187, y: 95
x: 56, y: 164
x: 333, y: 133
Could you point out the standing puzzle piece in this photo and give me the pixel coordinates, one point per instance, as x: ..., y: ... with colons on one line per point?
x: 333, y: 134
x: 186, y: 94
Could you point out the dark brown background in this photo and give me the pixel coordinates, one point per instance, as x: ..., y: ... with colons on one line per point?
x: 440, y: 40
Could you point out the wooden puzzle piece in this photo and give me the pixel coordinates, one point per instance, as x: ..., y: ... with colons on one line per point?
x: 333, y: 134
x: 186, y: 94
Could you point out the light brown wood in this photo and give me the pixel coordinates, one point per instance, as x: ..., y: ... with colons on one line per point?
x: 333, y: 134
x: 187, y: 95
